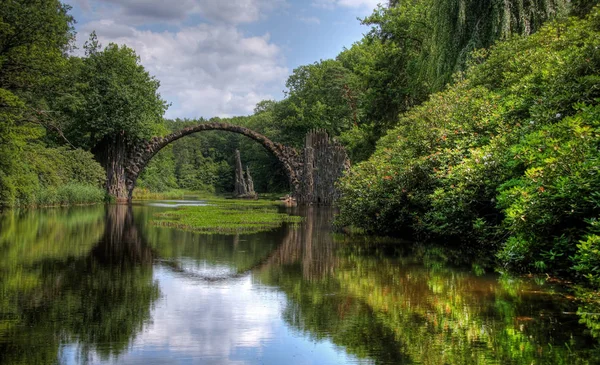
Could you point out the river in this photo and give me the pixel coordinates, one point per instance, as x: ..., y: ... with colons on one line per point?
x: 102, y: 285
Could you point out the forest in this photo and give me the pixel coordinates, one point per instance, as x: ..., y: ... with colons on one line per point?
x: 467, y: 122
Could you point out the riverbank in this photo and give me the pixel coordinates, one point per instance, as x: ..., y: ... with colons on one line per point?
x: 61, y: 196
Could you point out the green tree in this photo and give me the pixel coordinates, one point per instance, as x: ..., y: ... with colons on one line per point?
x: 321, y: 95
x: 505, y: 159
x: 119, y: 104
x: 159, y: 175
x: 34, y: 37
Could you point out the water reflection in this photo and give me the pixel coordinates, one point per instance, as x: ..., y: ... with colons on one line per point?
x: 102, y: 285
x: 67, y: 275
x: 417, y: 307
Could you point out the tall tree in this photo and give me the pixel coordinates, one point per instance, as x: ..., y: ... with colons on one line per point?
x: 321, y: 95
x: 34, y: 38
x: 119, y: 105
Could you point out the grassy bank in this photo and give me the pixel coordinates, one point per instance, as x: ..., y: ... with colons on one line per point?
x: 69, y: 194
x: 226, y: 216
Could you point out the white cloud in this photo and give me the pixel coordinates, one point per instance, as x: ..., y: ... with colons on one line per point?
x: 205, y: 70
x: 221, y: 11
x: 330, y: 4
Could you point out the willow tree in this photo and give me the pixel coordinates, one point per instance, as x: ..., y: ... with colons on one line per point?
x: 438, y: 36
x: 118, y: 104
x: 461, y: 26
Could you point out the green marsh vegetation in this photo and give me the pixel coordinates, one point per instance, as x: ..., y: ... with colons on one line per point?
x: 223, y: 216
x: 146, y: 194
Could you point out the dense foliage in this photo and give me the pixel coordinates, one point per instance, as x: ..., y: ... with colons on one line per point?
x: 114, y: 98
x: 506, y: 159
x: 34, y: 38
x: 491, y: 144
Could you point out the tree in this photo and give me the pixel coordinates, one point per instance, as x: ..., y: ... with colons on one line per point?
x: 119, y: 104
x: 34, y: 37
x: 320, y: 95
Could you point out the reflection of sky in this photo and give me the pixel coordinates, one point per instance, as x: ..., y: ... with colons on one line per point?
x: 177, y: 203
x: 233, y: 322
x: 206, y: 270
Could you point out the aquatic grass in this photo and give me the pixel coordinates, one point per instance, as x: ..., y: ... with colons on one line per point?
x: 226, y: 217
x: 242, y: 203
x: 145, y: 194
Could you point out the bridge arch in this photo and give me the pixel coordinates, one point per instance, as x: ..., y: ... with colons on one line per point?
x: 140, y: 155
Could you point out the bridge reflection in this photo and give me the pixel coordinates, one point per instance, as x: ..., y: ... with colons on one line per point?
x: 91, y: 278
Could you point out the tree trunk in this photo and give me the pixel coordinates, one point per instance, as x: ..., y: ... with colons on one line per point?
x: 111, y: 154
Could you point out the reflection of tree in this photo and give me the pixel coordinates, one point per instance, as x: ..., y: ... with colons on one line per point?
x: 100, y: 298
x: 589, y: 311
x: 181, y: 250
x: 311, y: 245
x: 399, y: 310
x: 252, y: 252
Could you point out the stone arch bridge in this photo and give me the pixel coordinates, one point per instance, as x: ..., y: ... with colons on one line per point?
x: 311, y: 172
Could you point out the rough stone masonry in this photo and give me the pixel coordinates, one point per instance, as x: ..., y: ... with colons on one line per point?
x: 312, y: 174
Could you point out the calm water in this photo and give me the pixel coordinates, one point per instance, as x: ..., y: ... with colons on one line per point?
x: 101, y: 285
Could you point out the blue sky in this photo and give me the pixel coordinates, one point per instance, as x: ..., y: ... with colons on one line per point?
x: 221, y: 57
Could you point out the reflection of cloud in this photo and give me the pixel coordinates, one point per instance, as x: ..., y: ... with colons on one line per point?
x: 233, y: 322
x: 208, y: 322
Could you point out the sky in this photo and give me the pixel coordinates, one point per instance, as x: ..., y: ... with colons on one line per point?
x: 221, y: 57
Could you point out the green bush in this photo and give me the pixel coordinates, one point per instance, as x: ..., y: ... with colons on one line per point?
x: 587, y: 258
x: 69, y: 194
x: 53, y: 176
x: 506, y: 159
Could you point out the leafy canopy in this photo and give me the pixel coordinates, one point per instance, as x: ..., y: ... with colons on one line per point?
x: 116, y: 97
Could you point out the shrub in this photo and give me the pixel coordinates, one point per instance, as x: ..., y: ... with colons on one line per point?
x: 54, y: 176
x: 587, y: 258
x: 507, y: 158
